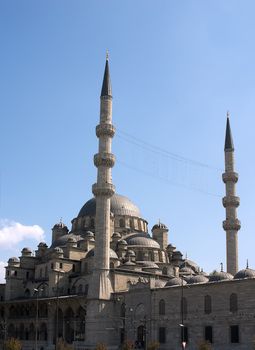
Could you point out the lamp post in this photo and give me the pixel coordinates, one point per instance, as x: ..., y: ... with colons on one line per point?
x: 36, y: 317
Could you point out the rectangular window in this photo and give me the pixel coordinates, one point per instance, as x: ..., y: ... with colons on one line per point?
x: 234, y: 334
x: 52, y: 266
x: 60, y: 265
x: 209, y: 334
x: 73, y: 269
x: 162, y: 335
x: 27, y: 274
x: 184, y: 334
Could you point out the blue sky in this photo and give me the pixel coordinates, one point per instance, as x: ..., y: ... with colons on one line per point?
x: 176, y: 68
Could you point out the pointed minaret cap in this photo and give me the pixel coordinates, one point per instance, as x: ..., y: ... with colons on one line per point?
x: 106, y: 87
x: 229, y: 146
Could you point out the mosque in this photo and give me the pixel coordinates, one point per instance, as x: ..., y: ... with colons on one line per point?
x: 106, y: 279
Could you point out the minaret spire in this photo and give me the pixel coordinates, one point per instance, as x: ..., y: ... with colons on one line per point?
x: 231, y: 225
x: 106, y: 86
x: 103, y: 189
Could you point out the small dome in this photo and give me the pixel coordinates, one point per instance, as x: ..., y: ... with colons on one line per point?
x: 129, y: 263
x: 120, y: 205
x: 71, y: 240
x: 196, y: 279
x: 187, y: 270
x: 59, y: 225
x: 142, y: 240
x: 26, y: 250
x: 122, y: 242
x: 175, y: 281
x: 89, y: 234
x: 42, y: 245
x: 160, y: 225
x: 190, y: 263
x: 13, y: 260
x: 148, y: 264
x: 116, y: 235
x: 58, y: 250
x: 245, y: 273
x: 130, y: 253
x: 220, y: 276
x: 91, y: 253
x: 160, y: 283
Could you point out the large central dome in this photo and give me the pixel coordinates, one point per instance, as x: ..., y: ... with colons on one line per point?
x: 120, y: 205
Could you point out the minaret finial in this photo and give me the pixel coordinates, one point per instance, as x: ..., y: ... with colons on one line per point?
x: 221, y: 267
x: 247, y: 264
x: 107, y: 55
x: 228, y: 114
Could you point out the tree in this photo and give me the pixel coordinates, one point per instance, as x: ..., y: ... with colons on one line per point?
x: 101, y: 346
x: 12, y: 344
x: 205, y: 346
x: 154, y: 345
x: 128, y: 345
x: 62, y: 345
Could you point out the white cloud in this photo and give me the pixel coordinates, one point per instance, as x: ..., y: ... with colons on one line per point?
x: 2, y: 271
x: 12, y: 233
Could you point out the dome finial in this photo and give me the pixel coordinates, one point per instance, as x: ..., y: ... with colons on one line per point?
x: 247, y: 264
x: 221, y: 267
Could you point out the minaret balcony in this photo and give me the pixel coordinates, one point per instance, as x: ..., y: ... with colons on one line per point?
x: 104, y: 159
x: 230, y: 177
x: 105, y: 130
x: 104, y: 190
x: 231, y: 225
x: 230, y: 201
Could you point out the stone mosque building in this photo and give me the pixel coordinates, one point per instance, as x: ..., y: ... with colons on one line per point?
x: 108, y: 280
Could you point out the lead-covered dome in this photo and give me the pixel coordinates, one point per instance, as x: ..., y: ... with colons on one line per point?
x: 120, y: 205
x: 245, y: 273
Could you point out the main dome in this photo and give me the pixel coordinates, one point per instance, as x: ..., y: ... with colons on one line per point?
x: 120, y: 205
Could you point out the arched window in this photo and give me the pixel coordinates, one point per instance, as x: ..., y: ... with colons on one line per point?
x: 123, y: 310
x: 80, y: 289
x: 111, y: 265
x: 131, y: 223
x: 208, y: 304
x: 164, y: 271
x: 27, y: 293
x: 92, y: 223
x: 43, y: 334
x: 184, y: 308
x: 122, y: 223
x: 233, y: 307
x: 162, y: 307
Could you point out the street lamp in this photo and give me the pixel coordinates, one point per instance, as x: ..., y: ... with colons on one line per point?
x: 36, y: 317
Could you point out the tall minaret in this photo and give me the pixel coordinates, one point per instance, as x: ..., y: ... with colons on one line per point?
x: 103, y: 189
x: 231, y: 225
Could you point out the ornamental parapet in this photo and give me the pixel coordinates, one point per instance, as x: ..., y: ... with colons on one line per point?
x: 231, y: 225
x: 105, y: 129
x: 106, y: 190
x: 230, y: 201
x: 104, y: 159
x: 230, y: 176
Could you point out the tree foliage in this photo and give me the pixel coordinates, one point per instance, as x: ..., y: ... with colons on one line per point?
x: 12, y: 344
x: 205, y: 346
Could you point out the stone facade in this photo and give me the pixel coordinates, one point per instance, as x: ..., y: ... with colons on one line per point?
x: 108, y: 280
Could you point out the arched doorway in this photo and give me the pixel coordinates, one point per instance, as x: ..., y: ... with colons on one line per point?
x: 140, y: 336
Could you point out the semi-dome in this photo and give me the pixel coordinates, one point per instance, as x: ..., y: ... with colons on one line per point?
x: 142, y: 241
x: 159, y: 283
x: 120, y: 205
x: 91, y: 253
x: 220, y: 276
x: 176, y: 281
x: 190, y: 263
x: 62, y: 241
x: 196, y: 279
x: 245, y: 273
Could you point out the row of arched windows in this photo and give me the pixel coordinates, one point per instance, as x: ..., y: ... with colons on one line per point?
x: 233, y: 305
